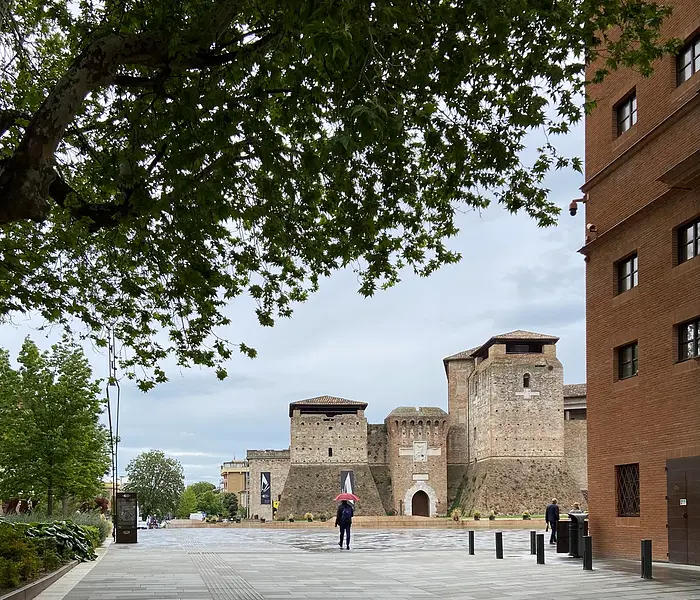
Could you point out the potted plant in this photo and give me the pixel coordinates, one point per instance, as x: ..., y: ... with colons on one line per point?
x: 492, y: 516
x: 309, y: 517
x: 323, y: 517
x: 477, y: 515
x: 456, y: 514
x: 290, y: 518
x: 526, y: 516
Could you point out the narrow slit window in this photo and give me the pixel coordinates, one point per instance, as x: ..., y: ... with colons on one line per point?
x: 526, y: 380
x: 330, y: 452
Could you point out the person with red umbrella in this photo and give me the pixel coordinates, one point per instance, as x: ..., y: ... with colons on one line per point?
x: 343, y: 517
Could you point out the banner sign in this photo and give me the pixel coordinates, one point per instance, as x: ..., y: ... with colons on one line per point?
x: 347, y: 482
x: 265, y: 487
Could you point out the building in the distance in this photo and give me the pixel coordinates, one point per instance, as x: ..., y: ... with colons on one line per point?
x: 513, y: 437
x: 642, y: 252
x: 235, y: 480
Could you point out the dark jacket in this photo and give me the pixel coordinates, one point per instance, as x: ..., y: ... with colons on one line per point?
x: 339, y: 514
x: 552, y: 513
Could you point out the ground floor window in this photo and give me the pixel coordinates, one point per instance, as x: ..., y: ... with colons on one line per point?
x: 627, y: 490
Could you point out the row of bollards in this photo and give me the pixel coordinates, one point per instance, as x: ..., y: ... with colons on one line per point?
x: 537, y: 548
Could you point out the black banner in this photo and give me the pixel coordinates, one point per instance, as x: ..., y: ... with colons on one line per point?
x: 347, y: 482
x: 265, y: 487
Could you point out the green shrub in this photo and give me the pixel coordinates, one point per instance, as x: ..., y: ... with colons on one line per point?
x: 71, y: 538
x: 9, y: 574
x: 477, y: 515
x: 323, y: 517
x: 290, y: 518
x: 309, y: 517
x: 492, y: 516
x: 526, y: 516
x: 456, y: 514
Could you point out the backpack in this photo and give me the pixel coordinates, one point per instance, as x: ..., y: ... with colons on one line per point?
x: 346, y: 514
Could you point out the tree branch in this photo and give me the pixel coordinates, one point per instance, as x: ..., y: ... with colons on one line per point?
x: 9, y: 118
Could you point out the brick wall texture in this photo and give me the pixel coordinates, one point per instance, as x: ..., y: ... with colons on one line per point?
x: 655, y: 415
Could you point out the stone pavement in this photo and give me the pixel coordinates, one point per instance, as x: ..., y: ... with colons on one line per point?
x: 254, y: 564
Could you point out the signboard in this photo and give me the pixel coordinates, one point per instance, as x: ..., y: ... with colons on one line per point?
x: 265, y: 487
x: 126, y: 516
x: 347, y: 482
x: 684, y: 502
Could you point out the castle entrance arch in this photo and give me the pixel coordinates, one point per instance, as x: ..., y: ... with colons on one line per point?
x: 420, y: 500
x: 420, y: 504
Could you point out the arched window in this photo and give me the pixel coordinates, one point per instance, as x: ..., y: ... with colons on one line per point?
x: 526, y: 380
x: 330, y: 452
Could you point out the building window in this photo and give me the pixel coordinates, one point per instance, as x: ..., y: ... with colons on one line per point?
x: 627, y: 361
x: 526, y: 380
x: 524, y: 348
x: 689, y: 60
x: 689, y: 340
x: 627, y: 490
x: 330, y: 451
x: 627, y: 274
x: 689, y: 241
x: 626, y: 112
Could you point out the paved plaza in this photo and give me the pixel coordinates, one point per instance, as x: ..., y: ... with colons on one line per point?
x: 255, y: 564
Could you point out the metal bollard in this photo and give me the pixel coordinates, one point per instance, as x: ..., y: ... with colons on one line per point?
x: 499, y: 544
x: 533, y: 542
x: 587, y: 553
x: 540, y: 548
x: 646, y: 559
x: 471, y: 543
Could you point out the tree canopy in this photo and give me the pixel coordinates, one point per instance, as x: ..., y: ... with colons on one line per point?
x: 187, y: 504
x: 158, y: 481
x: 182, y: 154
x: 51, y: 440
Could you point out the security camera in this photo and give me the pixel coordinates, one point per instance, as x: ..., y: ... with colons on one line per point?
x: 573, y: 208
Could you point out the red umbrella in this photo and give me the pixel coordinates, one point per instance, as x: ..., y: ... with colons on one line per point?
x: 346, y: 496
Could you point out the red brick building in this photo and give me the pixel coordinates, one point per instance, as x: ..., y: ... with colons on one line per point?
x: 643, y: 304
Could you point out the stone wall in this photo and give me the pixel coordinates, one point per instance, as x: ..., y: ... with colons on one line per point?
x: 458, y: 373
x: 575, y: 439
x: 514, y: 485
x: 319, y: 439
x: 276, y: 462
x: 377, y: 444
x: 506, y: 422
x: 418, y: 457
x: 313, y: 488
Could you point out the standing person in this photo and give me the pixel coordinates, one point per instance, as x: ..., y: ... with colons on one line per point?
x: 343, y: 519
x: 552, y: 518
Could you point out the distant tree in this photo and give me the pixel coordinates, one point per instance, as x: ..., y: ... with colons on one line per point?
x: 230, y: 503
x: 51, y: 440
x: 210, y: 503
x: 200, y: 487
x: 187, y: 504
x: 158, y: 481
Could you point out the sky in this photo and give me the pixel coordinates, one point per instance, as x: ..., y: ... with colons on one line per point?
x: 386, y: 350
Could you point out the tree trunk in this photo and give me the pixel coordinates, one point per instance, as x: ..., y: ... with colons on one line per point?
x: 49, y: 498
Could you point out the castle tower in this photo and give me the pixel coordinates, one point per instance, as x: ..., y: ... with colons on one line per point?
x: 417, y: 454
x: 513, y: 413
x: 328, y: 454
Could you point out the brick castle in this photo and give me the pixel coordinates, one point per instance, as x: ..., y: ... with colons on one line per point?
x: 513, y: 437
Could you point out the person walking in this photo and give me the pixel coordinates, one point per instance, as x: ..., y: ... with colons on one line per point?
x: 551, y: 517
x: 343, y: 519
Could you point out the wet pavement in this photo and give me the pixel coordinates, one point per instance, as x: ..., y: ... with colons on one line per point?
x: 255, y: 564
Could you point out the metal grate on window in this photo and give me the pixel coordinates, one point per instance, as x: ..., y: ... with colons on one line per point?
x: 628, y: 490
x: 689, y: 60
